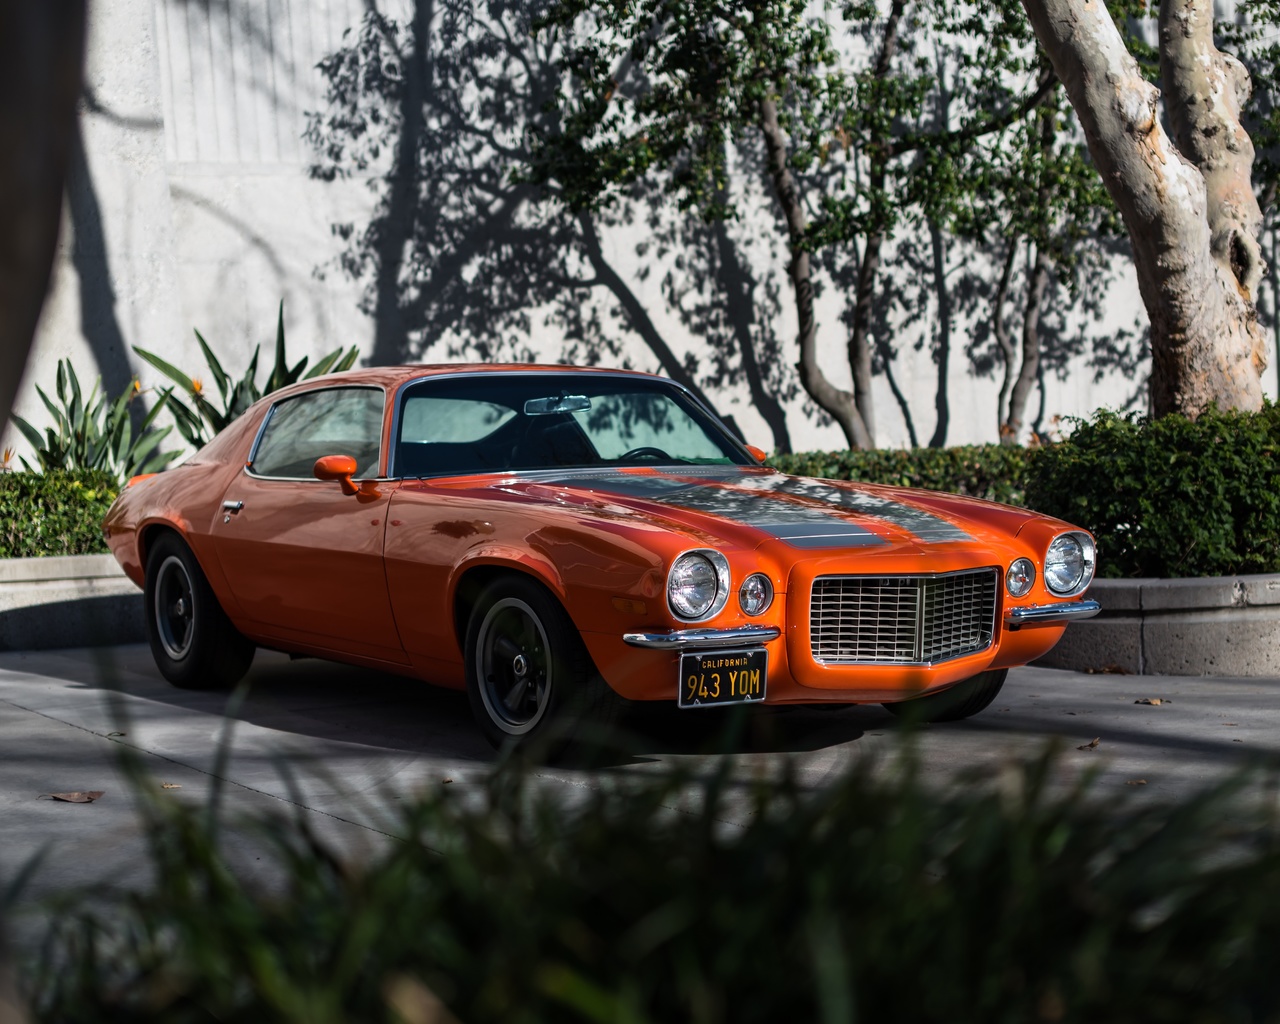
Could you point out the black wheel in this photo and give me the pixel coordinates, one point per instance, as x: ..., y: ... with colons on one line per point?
x: 529, y: 677
x: 963, y: 700
x: 192, y: 640
x: 647, y: 451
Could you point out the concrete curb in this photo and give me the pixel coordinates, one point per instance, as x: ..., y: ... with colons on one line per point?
x: 73, y: 601
x: 1220, y: 625
x: 1216, y: 625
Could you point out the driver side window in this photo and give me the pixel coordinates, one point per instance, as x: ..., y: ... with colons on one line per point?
x: 335, y: 421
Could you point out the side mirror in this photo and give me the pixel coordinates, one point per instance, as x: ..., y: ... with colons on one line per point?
x: 758, y: 453
x: 337, y: 467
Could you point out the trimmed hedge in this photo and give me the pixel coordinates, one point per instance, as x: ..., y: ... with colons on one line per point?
x: 1165, y: 498
x: 872, y: 898
x: 1169, y: 497
x: 54, y: 513
x: 991, y: 471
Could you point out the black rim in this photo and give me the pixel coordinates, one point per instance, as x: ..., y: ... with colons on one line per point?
x: 513, y: 666
x: 174, y: 608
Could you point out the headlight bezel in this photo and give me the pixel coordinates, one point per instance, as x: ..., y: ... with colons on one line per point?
x: 1088, y: 557
x: 720, y: 567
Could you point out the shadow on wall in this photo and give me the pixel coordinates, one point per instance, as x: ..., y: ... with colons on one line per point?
x: 461, y: 248
x: 98, y: 321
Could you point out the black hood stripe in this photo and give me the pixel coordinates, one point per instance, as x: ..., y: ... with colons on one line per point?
x: 800, y: 525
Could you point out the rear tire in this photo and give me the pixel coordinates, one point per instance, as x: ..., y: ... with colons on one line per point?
x: 530, y: 680
x: 963, y: 700
x: 192, y: 640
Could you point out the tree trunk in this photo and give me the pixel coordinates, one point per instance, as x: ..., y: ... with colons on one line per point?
x: 859, y: 348
x: 837, y: 402
x: 1191, y: 215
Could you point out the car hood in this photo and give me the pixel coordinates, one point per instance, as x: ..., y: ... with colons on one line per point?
x: 752, y: 506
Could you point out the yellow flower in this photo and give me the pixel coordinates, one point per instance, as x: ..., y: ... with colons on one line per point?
x: 6, y: 460
x: 197, y: 386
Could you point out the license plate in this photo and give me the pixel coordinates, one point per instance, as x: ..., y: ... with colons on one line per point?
x: 712, y: 678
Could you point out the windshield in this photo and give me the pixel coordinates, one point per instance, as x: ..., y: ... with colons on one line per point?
x: 529, y: 421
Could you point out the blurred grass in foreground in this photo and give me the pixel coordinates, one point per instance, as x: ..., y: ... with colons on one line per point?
x: 873, y: 899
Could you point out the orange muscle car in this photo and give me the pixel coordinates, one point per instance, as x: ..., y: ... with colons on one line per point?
x: 555, y: 539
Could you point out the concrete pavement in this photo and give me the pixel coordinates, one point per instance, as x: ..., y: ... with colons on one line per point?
x: 341, y: 747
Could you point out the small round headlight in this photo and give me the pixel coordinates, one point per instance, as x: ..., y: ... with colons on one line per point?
x: 1020, y: 578
x: 756, y: 593
x: 1068, y: 564
x: 698, y: 584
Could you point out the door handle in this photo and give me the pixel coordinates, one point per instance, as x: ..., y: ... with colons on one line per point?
x: 230, y: 508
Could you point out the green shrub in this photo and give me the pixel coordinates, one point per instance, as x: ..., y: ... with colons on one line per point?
x: 54, y: 513
x: 991, y: 471
x: 871, y: 898
x: 1164, y: 498
x: 1169, y: 497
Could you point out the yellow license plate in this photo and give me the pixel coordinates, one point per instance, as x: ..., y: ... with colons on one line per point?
x: 711, y: 678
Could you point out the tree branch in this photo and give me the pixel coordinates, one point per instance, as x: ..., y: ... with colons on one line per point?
x: 977, y: 129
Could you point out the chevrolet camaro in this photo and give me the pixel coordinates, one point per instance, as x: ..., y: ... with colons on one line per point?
x: 559, y: 542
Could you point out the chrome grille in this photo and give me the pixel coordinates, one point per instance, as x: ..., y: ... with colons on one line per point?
x: 902, y: 620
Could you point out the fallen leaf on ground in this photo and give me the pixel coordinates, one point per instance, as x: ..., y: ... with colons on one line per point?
x: 110, y: 734
x: 1136, y: 782
x: 86, y: 797
x: 1108, y: 670
x: 1230, y: 723
x: 1237, y: 741
x: 170, y: 785
x: 1092, y: 745
x: 1153, y: 701
x: 447, y: 781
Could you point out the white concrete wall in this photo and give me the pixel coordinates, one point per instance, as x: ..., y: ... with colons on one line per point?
x: 194, y: 208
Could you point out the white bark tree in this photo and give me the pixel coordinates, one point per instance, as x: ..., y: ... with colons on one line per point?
x: 1190, y: 209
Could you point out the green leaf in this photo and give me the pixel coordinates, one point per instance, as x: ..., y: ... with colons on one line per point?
x: 220, y: 376
x: 168, y: 369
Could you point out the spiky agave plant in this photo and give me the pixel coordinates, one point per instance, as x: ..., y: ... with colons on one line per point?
x: 203, y: 418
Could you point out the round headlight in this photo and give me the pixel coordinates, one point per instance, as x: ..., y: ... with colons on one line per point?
x: 698, y: 584
x: 1068, y: 564
x: 1020, y: 578
x: 756, y: 593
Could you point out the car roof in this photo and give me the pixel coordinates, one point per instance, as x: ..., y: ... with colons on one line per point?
x: 392, y: 377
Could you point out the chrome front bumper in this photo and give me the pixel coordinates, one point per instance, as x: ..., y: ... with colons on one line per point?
x: 685, y: 639
x: 1047, y: 614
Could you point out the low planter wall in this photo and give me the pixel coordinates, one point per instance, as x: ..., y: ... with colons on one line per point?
x: 74, y: 601
x: 1223, y: 625
x: 1214, y: 626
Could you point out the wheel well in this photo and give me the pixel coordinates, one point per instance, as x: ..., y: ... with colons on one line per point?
x: 472, y: 584
x: 148, y: 535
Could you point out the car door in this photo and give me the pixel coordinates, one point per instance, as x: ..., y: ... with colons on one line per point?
x: 303, y: 558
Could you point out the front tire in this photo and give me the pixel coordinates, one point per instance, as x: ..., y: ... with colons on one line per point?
x: 963, y: 700
x: 194, y: 644
x: 529, y: 677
